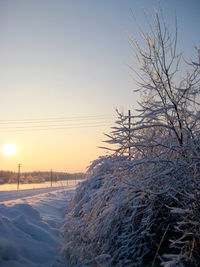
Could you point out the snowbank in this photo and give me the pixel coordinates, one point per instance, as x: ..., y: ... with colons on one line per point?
x: 30, y: 229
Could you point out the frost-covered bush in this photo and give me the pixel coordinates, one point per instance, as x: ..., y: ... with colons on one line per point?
x: 143, y: 208
x: 132, y: 226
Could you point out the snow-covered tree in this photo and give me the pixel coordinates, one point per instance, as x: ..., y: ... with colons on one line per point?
x: 121, y: 138
x: 166, y: 138
x: 144, y: 210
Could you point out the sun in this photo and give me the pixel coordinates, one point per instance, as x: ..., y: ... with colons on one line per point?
x: 9, y: 150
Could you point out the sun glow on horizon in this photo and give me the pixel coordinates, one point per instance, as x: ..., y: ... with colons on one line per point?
x: 9, y: 150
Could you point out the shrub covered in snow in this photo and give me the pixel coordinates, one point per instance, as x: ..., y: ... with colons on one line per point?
x: 141, y: 205
x: 132, y: 226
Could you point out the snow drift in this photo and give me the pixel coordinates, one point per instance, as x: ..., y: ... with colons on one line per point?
x: 30, y: 232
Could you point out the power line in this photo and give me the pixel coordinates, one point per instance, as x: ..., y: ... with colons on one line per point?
x: 38, y: 120
x: 54, y: 125
x: 54, y: 121
x: 53, y: 128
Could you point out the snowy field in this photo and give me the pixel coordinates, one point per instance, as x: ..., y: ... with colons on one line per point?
x: 8, y: 187
x: 9, y: 191
x: 30, y: 226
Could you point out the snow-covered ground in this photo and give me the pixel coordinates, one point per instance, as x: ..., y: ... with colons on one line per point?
x: 30, y: 226
x: 9, y: 191
x: 11, y: 187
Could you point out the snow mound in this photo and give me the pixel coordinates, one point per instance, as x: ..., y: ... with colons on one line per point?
x: 23, y: 237
x: 30, y: 231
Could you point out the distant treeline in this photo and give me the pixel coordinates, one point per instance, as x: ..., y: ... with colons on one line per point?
x: 38, y: 177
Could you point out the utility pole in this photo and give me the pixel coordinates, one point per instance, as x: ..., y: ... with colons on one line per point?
x: 51, y: 177
x: 129, y: 134
x: 18, y: 176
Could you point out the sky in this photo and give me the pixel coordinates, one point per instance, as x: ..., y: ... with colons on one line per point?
x: 65, y: 64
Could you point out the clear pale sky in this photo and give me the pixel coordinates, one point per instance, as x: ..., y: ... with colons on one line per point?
x: 70, y: 59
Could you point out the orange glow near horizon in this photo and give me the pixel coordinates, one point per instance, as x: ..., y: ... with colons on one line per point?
x: 65, y: 151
